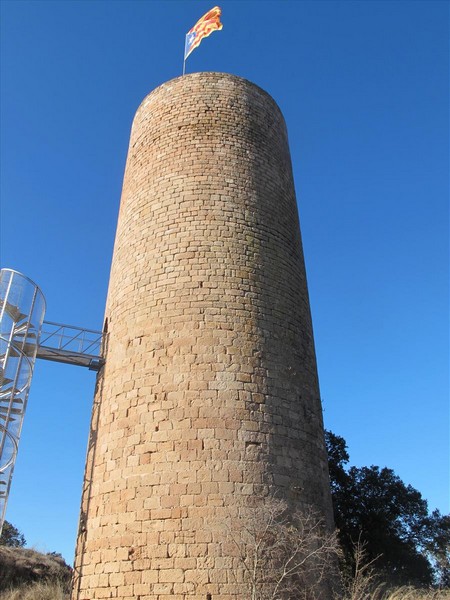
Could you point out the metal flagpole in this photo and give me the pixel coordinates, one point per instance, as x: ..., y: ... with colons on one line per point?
x: 208, y: 23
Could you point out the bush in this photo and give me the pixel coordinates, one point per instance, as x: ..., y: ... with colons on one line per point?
x: 23, y: 566
x: 11, y: 536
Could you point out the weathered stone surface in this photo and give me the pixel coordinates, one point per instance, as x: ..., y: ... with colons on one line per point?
x: 209, y: 397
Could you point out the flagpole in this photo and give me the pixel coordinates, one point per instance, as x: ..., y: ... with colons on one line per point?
x: 208, y: 23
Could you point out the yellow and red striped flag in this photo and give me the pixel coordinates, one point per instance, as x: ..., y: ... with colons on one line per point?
x: 204, y: 27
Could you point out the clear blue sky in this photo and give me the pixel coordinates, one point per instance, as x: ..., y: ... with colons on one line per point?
x: 364, y: 89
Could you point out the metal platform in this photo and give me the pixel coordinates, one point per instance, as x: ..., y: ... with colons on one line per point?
x: 71, y: 345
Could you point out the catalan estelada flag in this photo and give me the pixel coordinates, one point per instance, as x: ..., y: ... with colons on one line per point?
x: 204, y: 27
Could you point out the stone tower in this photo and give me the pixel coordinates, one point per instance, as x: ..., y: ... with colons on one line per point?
x: 209, y: 398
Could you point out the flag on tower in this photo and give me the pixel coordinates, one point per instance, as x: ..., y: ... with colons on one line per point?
x: 205, y: 26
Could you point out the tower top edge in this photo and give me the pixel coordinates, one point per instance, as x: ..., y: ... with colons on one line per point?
x: 202, y: 78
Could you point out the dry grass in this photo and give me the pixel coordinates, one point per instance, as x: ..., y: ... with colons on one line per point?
x: 22, y: 567
x: 37, y: 591
x: 57, y: 591
x: 410, y: 593
x: 401, y: 593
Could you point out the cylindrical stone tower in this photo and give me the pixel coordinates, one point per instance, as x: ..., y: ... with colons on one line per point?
x: 209, y: 397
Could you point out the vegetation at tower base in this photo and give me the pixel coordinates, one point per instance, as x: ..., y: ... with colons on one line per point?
x: 37, y: 591
x: 289, y: 555
x: 405, y: 543
x: 28, y: 572
x: 285, y: 554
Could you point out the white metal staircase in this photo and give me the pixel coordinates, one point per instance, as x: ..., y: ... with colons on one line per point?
x: 25, y: 336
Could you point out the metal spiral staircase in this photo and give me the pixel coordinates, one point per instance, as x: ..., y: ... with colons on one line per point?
x: 25, y: 336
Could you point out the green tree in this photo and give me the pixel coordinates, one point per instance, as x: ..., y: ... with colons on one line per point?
x: 437, y: 546
x: 391, y: 519
x: 11, y: 536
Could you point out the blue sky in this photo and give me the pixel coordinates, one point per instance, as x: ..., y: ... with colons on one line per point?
x: 364, y: 90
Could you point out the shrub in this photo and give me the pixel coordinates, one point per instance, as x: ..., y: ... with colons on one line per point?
x: 23, y: 566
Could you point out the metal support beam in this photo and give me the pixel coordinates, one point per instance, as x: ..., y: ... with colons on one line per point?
x: 71, y: 345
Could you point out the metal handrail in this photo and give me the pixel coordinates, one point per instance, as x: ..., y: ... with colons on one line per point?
x: 71, y: 344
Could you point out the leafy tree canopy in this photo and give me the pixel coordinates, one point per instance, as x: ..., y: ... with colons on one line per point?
x: 11, y: 536
x: 374, y: 506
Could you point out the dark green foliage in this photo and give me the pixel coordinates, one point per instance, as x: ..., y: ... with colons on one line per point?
x: 438, y: 545
x: 338, y: 457
x: 11, y: 536
x: 373, y: 505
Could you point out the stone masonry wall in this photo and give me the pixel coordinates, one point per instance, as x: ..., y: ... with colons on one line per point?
x: 209, y: 398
